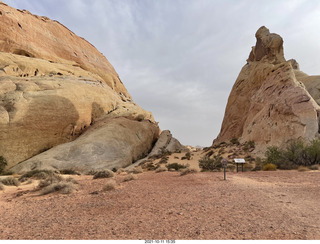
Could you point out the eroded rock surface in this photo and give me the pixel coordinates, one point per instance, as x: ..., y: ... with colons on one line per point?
x: 54, y: 85
x: 272, y: 101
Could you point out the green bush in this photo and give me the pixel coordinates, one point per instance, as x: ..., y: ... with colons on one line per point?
x: 296, y: 154
x: 210, y: 164
x: 3, y: 164
x: 311, y: 153
x: 175, y: 166
x: 270, y: 167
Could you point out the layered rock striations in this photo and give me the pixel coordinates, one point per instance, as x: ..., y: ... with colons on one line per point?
x: 272, y: 102
x: 54, y: 86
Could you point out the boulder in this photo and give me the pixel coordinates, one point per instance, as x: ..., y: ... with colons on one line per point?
x: 272, y: 102
x: 54, y: 86
x: 111, y: 144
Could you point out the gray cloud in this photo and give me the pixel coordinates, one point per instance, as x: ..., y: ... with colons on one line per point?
x: 179, y: 59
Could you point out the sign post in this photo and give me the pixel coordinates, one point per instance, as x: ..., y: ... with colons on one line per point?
x: 239, y: 161
x: 224, y: 163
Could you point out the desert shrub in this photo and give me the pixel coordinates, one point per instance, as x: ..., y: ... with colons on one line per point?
x: 56, y: 183
x: 1, y: 187
x: 63, y: 187
x: 186, y: 156
x: 188, y: 170
x: 130, y: 177
x: 163, y: 160
x: 210, y: 164
x: 270, y: 167
x: 303, y: 168
x: 249, y: 145
x: 294, y: 152
x: 49, y: 180
x: 3, y: 164
x: 311, y: 153
x: 121, y: 170
x: 136, y: 170
x: 37, y: 174
x: 274, y: 155
x: 69, y: 172
x: 314, y: 167
x: 10, y: 181
x: 161, y: 169
x: 234, y: 141
x: 175, y: 166
x: 103, y: 174
x: 110, y: 185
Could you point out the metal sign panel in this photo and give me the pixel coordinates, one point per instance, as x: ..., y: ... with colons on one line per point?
x: 239, y: 160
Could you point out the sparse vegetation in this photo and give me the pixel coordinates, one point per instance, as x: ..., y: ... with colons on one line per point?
x: 303, y: 169
x: 270, y: 167
x: 56, y: 183
x: 210, y: 164
x: 37, y: 174
x: 294, y: 155
x: 103, y: 174
x: 69, y: 172
x: 175, y: 166
x: 235, y: 141
x: 130, y: 177
x: 188, y: 170
x: 63, y: 187
x: 186, y: 156
x: 314, y: 167
x: 110, y: 185
x: 10, y: 181
x: 161, y: 169
x: 136, y: 170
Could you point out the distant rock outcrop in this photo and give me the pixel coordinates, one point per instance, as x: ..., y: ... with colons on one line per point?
x: 54, y: 85
x: 272, y: 102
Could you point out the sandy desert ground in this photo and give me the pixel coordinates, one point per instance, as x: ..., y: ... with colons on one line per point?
x: 162, y: 206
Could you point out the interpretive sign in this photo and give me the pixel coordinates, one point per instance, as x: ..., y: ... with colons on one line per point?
x: 239, y: 161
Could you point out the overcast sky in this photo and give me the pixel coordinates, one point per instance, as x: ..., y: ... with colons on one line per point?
x: 180, y: 58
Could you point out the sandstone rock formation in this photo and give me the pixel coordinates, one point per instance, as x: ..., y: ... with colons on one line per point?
x: 54, y: 85
x: 113, y: 142
x: 272, y: 101
x: 166, y: 143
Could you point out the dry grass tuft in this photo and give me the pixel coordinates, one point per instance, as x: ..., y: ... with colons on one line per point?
x: 110, y: 185
x: 270, y: 167
x: 188, y: 170
x: 10, y: 181
x: 303, y: 169
x: 161, y: 169
x: 130, y: 177
x: 103, y: 174
x: 1, y: 187
x: 63, y: 187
